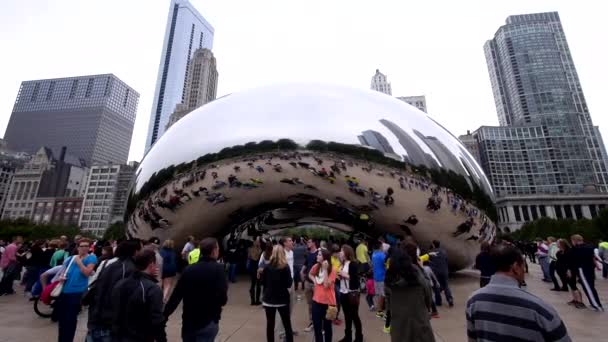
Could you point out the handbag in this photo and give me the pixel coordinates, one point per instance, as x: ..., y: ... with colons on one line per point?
x: 332, y: 313
x: 59, y: 287
x: 45, y: 296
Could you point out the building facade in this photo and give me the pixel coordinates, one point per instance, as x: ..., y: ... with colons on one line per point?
x: 416, y: 101
x: 57, y: 210
x: 43, y: 176
x: 105, y: 198
x: 186, y: 31
x: 380, y: 83
x: 93, y: 116
x: 469, y: 141
x: 546, y: 146
x: 201, y: 85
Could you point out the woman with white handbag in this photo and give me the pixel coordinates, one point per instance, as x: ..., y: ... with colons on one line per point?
x: 74, y: 283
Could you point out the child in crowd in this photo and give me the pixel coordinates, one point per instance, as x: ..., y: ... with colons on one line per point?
x: 369, y: 284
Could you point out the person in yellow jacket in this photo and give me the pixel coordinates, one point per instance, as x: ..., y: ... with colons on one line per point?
x: 194, y: 255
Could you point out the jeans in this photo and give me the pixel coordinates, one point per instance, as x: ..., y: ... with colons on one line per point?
x: 552, y: 271
x: 67, y: 307
x: 32, y: 273
x: 296, y: 276
x: 443, y: 286
x: 605, y: 270
x: 270, y: 321
x: 544, y: 265
x: 232, y: 272
x: 206, y: 334
x: 351, y: 316
x: 370, y: 300
x: 10, y: 274
x: 319, y: 322
x: 99, y: 335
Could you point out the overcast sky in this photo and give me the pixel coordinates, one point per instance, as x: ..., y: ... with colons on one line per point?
x: 433, y: 48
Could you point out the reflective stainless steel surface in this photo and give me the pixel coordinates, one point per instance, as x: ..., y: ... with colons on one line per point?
x: 296, y: 154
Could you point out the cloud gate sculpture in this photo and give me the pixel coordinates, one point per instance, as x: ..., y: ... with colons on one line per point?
x: 298, y: 155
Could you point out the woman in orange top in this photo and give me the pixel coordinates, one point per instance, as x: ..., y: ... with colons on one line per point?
x: 323, y: 277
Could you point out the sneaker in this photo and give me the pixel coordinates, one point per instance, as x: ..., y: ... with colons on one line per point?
x: 579, y: 305
x: 572, y: 302
x: 372, y: 308
x: 387, y: 330
x: 451, y: 304
x: 337, y: 321
x: 308, y: 328
x: 380, y: 314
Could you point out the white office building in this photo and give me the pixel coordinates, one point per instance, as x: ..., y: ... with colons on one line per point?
x: 416, y: 101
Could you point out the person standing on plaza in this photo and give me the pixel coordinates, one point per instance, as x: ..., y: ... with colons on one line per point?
x: 169, y: 270
x: 542, y: 252
x: 153, y: 244
x: 10, y: 266
x: 336, y: 264
x: 379, y: 269
x: 583, y: 258
x: 502, y: 311
x: 603, y: 253
x: 253, y: 259
x: 553, y: 248
x: 75, y: 282
x: 484, y: 264
x: 277, y: 282
x: 350, y: 295
x: 60, y: 254
x: 362, y: 254
x: 188, y: 247
x: 100, y: 310
x: 137, y: 304
x: 566, y: 266
x: 299, y: 259
x: 311, y: 260
x: 411, y: 298
x: 203, y: 288
x: 438, y: 262
x: 323, y: 276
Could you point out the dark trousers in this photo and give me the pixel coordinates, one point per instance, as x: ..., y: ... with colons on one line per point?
x: 552, y: 272
x: 206, y: 334
x: 370, y: 300
x: 443, y: 283
x: 285, y: 318
x: 320, y: 324
x: 67, y: 308
x: 256, y: 286
x: 10, y: 274
x: 232, y: 272
x: 350, y: 307
x: 387, y: 310
x: 605, y: 270
x: 30, y: 277
x: 587, y: 279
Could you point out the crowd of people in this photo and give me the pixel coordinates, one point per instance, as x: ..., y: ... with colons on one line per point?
x: 130, y: 290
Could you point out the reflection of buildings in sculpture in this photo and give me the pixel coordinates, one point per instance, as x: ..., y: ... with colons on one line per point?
x: 415, y: 155
x: 470, y: 142
x: 416, y: 101
x: 185, y: 32
x: 378, y: 141
x: 201, y: 84
x: 380, y: 83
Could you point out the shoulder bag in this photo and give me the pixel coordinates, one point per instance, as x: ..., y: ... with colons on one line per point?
x: 59, y: 287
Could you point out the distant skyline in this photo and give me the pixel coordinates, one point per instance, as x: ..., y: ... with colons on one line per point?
x: 435, y: 49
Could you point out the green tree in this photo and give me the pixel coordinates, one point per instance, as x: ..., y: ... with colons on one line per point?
x: 117, y: 231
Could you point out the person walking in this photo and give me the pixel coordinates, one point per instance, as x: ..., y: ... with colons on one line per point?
x: 583, y: 258
x: 10, y: 266
x: 253, y: 259
x: 137, y: 304
x: 503, y: 311
x: 603, y: 253
x: 484, y: 264
x: 566, y: 266
x: 350, y: 295
x: 323, y: 276
x: 542, y: 252
x: 410, y: 299
x: 277, y: 281
x: 100, y: 310
x: 299, y: 259
x: 362, y: 254
x: 438, y: 261
x: 552, y: 254
x: 203, y: 287
x: 75, y: 282
x: 167, y: 252
x: 60, y: 254
x: 336, y: 263
x: 379, y: 269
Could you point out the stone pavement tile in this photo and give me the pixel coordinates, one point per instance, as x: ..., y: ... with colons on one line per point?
x: 244, y: 323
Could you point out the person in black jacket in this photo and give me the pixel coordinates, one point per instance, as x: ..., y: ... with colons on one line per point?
x: 137, y: 304
x: 349, y: 294
x: 277, y: 280
x: 204, y: 289
x: 100, y: 309
x: 583, y: 257
x: 484, y: 263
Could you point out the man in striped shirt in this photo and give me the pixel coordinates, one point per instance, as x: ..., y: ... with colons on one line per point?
x: 501, y: 311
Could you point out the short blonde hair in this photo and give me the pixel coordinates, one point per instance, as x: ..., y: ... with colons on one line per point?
x: 577, y: 238
x: 278, y: 259
x: 169, y: 244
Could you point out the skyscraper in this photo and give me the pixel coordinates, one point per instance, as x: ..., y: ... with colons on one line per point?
x: 201, y: 84
x: 93, y: 116
x: 380, y: 83
x: 546, y: 158
x: 186, y: 31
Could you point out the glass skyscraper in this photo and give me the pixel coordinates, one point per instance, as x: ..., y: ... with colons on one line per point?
x: 186, y: 32
x: 93, y: 116
x: 546, y: 142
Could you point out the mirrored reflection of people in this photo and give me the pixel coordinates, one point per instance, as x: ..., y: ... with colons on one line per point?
x: 277, y: 281
x: 137, y: 303
x: 203, y: 287
x: 323, y: 276
x: 503, y: 309
x: 410, y: 299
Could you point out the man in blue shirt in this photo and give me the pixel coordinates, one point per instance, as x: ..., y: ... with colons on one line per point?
x: 379, y: 268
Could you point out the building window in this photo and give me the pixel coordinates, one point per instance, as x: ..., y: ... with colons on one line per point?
x: 543, y: 212
x: 89, y: 87
x: 578, y: 211
x: 524, y: 210
x: 534, y: 212
x: 568, y: 211
x: 517, y: 215
x: 558, y: 211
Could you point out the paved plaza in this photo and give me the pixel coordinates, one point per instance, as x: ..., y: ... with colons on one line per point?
x: 242, y: 322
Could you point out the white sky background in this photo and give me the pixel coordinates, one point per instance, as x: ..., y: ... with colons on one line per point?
x: 433, y: 48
